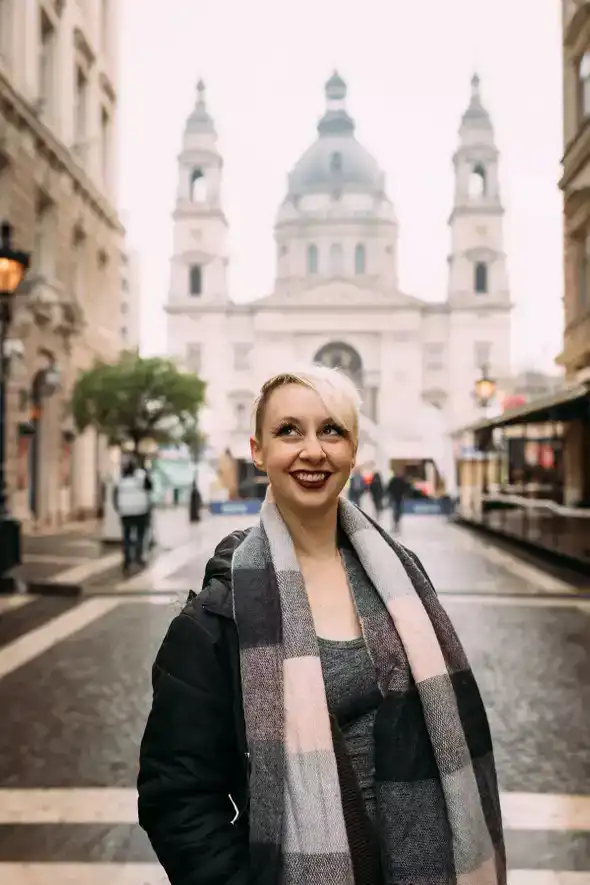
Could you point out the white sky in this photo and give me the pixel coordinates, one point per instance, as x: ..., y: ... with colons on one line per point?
x: 407, y: 64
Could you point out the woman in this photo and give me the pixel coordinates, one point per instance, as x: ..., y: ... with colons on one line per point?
x: 318, y: 682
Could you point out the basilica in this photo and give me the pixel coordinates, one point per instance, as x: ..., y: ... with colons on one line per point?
x: 336, y: 299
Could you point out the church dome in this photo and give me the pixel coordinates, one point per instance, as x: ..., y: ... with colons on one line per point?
x: 336, y: 160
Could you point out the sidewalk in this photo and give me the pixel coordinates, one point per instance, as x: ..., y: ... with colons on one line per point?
x: 66, y: 562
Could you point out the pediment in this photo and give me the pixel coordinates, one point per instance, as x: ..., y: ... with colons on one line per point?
x: 341, y: 293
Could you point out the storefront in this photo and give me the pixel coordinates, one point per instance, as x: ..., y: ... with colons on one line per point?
x: 526, y: 473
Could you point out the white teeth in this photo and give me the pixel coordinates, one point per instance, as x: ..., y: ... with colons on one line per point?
x: 312, y: 477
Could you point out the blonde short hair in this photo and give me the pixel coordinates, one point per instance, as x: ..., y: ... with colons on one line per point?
x: 335, y: 389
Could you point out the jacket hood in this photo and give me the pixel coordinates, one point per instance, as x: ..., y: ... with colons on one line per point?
x: 216, y: 593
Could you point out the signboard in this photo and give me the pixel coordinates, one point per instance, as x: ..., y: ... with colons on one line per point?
x: 245, y: 507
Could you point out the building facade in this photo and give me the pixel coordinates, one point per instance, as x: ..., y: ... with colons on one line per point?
x: 58, y: 100
x: 130, y: 300
x: 575, y: 184
x: 336, y: 298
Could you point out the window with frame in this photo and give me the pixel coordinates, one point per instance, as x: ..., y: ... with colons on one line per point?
x: 584, y: 85
x: 241, y: 415
x: 45, y: 89
x: 478, y: 181
x: 336, y: 162
x: 312, y: 259
x: 80, y: 111
x: 44, y: 245
x: 360, y: 259
x: 195, y: 280
x: 198, y: 186
x: 480, y: 278
x: 105, y: 146
x: 79, y: 260
x: 241, y: 357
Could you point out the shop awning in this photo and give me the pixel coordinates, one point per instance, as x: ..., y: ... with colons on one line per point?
x: 561, y: 405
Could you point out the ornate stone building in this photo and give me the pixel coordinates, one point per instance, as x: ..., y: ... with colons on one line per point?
x: 58, y: 99
x: 336, y: 297
x: 575, y: 184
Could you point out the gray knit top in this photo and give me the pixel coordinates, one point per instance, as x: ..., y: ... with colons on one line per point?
x: 354, y: 696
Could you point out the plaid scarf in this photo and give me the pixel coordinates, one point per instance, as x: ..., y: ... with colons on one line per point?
x: 439, y: 819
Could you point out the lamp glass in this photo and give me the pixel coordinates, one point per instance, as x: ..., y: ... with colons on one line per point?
x: 11, y: 274
x: 485, y: 389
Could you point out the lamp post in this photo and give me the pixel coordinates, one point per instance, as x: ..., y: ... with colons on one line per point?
x: 485, y: 388
x: 13, y: 267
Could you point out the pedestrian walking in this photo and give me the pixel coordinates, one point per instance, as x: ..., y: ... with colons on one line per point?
x: 356, y: 487
x: 377, y: 492
x: 131, y: 499
x: 317, y: 680
x: 397, y: 491
x: 195, y: 503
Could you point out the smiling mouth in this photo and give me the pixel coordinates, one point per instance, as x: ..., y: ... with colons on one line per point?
x: 311, y: 479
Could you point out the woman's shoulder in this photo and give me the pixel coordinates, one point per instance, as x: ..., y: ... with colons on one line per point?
x: 215, y: 593
x: 219, y: 565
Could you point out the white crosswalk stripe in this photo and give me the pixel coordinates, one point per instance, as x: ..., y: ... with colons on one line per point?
x: 118, y: 805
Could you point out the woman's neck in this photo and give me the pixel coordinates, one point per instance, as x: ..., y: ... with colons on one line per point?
x: 313, y: 533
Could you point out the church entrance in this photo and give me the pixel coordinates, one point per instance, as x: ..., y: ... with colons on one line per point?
x: 338, y: 355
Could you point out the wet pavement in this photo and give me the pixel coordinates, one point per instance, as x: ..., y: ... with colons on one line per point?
x: 75, y: 692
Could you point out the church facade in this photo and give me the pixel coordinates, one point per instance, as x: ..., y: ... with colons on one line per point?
x: 336, y: 298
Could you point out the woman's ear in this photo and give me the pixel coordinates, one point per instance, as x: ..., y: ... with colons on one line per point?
x: 256, y: 454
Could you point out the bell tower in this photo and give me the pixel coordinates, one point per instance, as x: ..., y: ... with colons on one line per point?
x: 477, y: 263
x: 199, y: 259
x: 478, y: 293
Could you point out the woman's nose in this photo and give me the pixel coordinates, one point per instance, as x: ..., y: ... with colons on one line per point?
x: 312, y: 449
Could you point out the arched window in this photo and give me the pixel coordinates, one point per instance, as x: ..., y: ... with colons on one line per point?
x: 196, y: 279
x: 336, y: 259
x: 584, y: 85
x: 360, y: 259
x: 312, y: 259
x: 336, y: 162
x: 241, y: 417
x: 477, y: 181
x: 338, y: 354
x: 198, y: 190
x: 481, y: 278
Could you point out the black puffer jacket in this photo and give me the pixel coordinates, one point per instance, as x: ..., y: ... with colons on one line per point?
x: 193, y: 754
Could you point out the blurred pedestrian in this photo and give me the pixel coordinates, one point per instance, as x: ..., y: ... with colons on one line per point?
x: 131, y: 499
x: 356, y: 487
x: 317, y: 681
x: 377, y: 492
x: 397, y: 491
x: 196, y: 502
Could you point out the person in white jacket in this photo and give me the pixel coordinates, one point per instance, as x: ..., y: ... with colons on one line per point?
x: 132, y: 503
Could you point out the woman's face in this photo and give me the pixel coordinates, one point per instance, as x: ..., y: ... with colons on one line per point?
x: 306, y: 454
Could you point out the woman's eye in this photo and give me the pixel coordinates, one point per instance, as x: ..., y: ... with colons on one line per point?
x: 332, y: 430
x: 286, y: 430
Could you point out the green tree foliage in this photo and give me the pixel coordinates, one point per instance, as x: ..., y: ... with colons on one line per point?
x: 136, y: 399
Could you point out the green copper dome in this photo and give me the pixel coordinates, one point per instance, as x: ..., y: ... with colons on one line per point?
x: 336, y: 160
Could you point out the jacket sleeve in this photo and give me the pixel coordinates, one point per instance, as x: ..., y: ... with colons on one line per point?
x: 187, y: 758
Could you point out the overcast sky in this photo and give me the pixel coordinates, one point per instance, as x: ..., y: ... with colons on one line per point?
x: 408, y: 65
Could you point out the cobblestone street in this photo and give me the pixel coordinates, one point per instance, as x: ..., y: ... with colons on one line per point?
x: 75, y: 692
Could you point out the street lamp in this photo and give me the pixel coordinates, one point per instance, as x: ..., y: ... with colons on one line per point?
x: 13, y: 267
x: 485, y: 388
